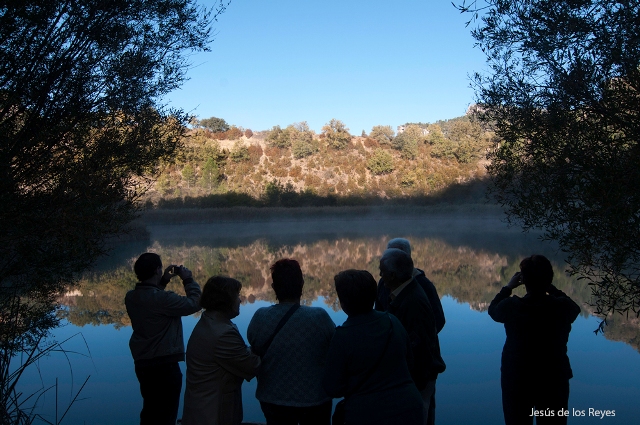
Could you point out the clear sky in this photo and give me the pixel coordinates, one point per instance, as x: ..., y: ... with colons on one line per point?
x: 365, y: 62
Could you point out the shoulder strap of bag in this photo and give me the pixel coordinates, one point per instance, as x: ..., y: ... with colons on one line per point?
x: 377, y: 362
x: 281, y: 323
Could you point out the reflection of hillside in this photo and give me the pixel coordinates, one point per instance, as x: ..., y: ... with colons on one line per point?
x: 621, y: 328
x: 468, y: 275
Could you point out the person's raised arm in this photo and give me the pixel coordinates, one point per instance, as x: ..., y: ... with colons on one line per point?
x: 497, y: 309
x: 189, y: 304
x: 572, y: 309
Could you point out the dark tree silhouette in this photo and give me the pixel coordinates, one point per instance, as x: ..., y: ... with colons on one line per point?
x: 563, y: 92
x: 83, y: 130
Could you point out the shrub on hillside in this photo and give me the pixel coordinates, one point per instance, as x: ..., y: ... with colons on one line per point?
x: 278, y: 138
x: 209, y: 174
x: 380, y: 162
x: 336, y: 134
x: 371, y: 143
x: 383, y: 134
x: 408, y: 141
x: 215, y: 125
x: 255, y: 153
x: 188, y: 175
x: 239, y: 152
x: 233, y: 133
x: 465, y: 152
x: 302, y: 148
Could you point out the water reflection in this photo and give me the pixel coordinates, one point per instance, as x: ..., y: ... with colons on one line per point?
x: 468, y: 274
x: 468, y: 259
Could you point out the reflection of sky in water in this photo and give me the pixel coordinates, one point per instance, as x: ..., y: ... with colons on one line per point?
x: 468, y: 392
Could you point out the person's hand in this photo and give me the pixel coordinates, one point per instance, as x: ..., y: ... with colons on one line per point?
x: 515, y: 281
x: 184, y: 273
x: 168, y: 273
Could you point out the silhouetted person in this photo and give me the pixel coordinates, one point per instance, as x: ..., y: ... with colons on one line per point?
x: 157, y: 344
x: 427, y: 286
x: 409, y: 303
x: 217, y: 358
x: 290, y: 377
x: 434, y: 300
x: 368, y: 359
x: 535, y: 366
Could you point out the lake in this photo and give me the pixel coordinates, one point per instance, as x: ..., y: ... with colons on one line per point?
x: 468, y: 257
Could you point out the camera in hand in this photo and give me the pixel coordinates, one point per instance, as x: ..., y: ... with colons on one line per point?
x: 176, y: 269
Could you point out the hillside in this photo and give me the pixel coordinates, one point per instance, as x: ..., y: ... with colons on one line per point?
x: 240, y: 167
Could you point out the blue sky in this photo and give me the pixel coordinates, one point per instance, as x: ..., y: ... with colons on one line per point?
x: 365, y: 62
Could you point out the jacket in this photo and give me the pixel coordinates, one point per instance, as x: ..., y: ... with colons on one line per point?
x: 413, y: 310
x: 537, y: 328
x: 292, y: 368
x: 217, y: 362
x: 384, y: 395
x: 382, y: 300
x: 156, y: 321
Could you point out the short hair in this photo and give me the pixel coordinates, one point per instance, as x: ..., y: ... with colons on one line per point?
x: 357, y: 290
x: 219, y: 293
x: 399, y: 263
x: 146, y: 265
x: 287, y: 279
x: 537, y: 273
x: 400, y: 243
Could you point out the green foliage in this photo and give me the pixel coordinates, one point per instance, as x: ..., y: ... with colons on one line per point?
x: 409, y: 179
x: 323, y: 170
x: 465, y: 152
x: 215, y: 125
x: 278, y: 138
x: 296, y: 136
x: 563, y: 93
x: 163, y: 184
x: 210, y: 174
x: 408, y: 141
x: 303, y: 148
x: 302, y: 142
x: 336, y: 134
x: 240, y: 152
x: 188, y: 175
x: 380, y: 162
x: 384, y: 134
x: 84, y: 132
x: 441, y: 147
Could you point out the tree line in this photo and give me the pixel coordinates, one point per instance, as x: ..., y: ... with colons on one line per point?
x: 295, y: 163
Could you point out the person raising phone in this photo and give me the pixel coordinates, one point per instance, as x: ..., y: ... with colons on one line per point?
x: 535, y: 366
x: 157, y: 344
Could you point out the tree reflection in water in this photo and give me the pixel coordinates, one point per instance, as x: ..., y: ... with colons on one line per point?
x: 468, y: 273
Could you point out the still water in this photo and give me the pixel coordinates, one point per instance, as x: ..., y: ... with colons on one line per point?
x: 468, y: 258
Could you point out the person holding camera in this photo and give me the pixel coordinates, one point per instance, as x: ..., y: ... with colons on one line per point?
x: 157, y: 344
x: 535, y: 369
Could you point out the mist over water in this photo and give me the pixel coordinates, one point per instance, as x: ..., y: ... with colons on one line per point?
x: 468, y: 257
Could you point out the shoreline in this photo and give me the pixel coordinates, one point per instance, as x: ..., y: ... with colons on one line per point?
x: 245, y: 214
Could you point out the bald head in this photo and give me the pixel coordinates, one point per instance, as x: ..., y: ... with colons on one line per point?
x: 396, y: 267
x: 401, y: 244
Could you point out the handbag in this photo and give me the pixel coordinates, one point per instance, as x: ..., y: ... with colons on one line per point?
x: 281, y: 323
x: 338, y: 417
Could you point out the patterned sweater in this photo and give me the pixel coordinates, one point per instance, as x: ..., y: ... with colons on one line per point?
x: 292, y: 368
